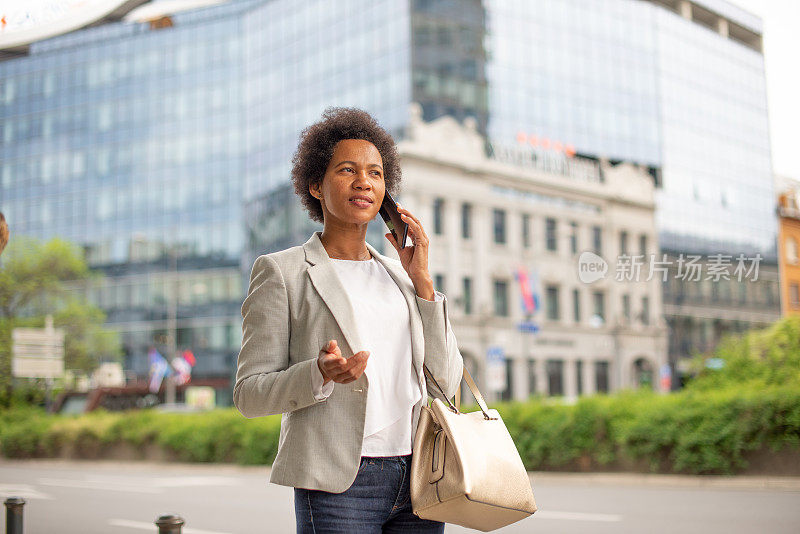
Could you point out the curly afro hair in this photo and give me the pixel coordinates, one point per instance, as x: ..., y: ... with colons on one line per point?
x: 317, y: 142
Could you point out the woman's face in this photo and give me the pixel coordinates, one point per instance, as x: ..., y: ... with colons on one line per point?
x: 355, y: 169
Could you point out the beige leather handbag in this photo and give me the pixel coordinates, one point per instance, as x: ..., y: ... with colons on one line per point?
x: 465, y: 468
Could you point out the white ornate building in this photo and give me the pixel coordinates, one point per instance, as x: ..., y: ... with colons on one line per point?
x: 487, y: 216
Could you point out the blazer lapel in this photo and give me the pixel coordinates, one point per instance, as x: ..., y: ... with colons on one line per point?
x: 330, y: 289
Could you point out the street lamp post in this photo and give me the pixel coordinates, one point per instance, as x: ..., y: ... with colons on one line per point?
x: 172, y: 306
x: 172, y: 320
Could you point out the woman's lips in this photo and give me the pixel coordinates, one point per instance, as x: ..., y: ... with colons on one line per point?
x: 361, y: 203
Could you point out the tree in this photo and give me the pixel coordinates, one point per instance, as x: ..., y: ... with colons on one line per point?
x: 764, y: 357
x: 35, y: 280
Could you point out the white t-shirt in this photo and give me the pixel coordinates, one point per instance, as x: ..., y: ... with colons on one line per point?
x: 384, y: 327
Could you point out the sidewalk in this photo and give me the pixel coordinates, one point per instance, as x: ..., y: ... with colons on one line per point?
x: 739, y: 482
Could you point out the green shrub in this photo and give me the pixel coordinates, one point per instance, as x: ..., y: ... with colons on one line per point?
x: 687, y: 432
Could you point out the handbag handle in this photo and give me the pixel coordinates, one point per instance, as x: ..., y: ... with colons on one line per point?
x: 470, y: 384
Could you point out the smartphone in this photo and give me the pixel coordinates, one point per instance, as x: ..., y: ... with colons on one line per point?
x: 392, y: 219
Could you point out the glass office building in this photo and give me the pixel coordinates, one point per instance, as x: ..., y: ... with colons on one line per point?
x: 635, y: 80
x: 136, y: 138
x: 127, y: 139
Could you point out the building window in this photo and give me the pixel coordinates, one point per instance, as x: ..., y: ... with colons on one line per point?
x: 500, y: 298
x: 466, y: 220
x: 623, y: 242
x: 573, y: 237
x: 576, y: 305
x: 794, y: 295
x: 599, y: 304
x: 597, y: 240
x: 601, y: 376
x: 438, y: 282
x: 508, y: 393
x: 553, y: 312
x: 645, y: 310
x: 550, y: 234
x: 499, y: 226
x: 555, y: 377
x: 437, y: 216
x: 715, y: 290
x: 467, y: 295
x: 579, y: 376
x: 626, y: 308
x: 643, y: 245
x: 532, y: 377
x: 526, y: 233
x: 791, y: 250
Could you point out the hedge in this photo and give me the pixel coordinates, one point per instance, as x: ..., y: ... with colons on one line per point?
x: 693, y: 431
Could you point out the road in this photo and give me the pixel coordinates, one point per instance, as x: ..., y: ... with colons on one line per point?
x: 87, y: 497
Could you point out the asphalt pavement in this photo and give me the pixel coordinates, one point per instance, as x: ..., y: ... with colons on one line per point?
x: 86, y: 497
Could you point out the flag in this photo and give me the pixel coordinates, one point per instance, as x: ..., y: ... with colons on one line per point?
x: 527, y: 303
x: 159, y: 368
x: 189, y: 357
x: 183, y: 369
x: 529, y: 291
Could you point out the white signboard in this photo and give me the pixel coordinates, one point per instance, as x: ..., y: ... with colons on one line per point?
x: 200, y: 397
x: 495, y: 369
x: 38, y: 352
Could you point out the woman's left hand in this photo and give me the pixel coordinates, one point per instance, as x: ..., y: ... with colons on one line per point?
x: 414, y: 258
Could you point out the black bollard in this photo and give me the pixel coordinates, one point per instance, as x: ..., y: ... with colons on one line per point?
x: 169, y: 524
x: 14, y: 515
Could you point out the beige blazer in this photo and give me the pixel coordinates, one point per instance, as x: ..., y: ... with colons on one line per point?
x: 295, y: 303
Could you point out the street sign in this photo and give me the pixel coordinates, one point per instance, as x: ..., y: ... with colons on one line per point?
x: 202, y: 397
x: 38, y: 352
x: 528, y: 326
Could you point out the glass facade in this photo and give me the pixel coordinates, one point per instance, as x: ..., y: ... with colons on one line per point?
x: 717, y: 170
x: 449, y: 59
x: 633, y: 80
x: 301, y: 57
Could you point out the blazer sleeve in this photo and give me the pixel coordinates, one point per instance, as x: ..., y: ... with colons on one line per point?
x: 442, y: 357
x: 265, y: 383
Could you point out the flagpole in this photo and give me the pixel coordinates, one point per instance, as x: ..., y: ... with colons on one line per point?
x: 172, y: 320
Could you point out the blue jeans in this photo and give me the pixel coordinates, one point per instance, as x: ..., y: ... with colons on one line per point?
x: 379, y: 500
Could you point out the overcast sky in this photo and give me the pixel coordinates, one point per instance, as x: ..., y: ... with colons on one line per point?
x: 781, y: 50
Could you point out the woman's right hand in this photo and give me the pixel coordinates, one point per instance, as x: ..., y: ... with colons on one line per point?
x: 334, y: 366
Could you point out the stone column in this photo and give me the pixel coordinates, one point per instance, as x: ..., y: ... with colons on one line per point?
x: 452, y: 233
x: 589, y: 380
x: 541, y: 375
x: 570, y: 379
x: 519, y: 374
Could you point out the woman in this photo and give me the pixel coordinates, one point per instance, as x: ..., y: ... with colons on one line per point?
x: 334, y: 336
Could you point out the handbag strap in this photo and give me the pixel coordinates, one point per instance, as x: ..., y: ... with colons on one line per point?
x: 470, y: 384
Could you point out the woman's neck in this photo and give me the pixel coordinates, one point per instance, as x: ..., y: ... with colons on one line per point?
x: 346, y: 248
